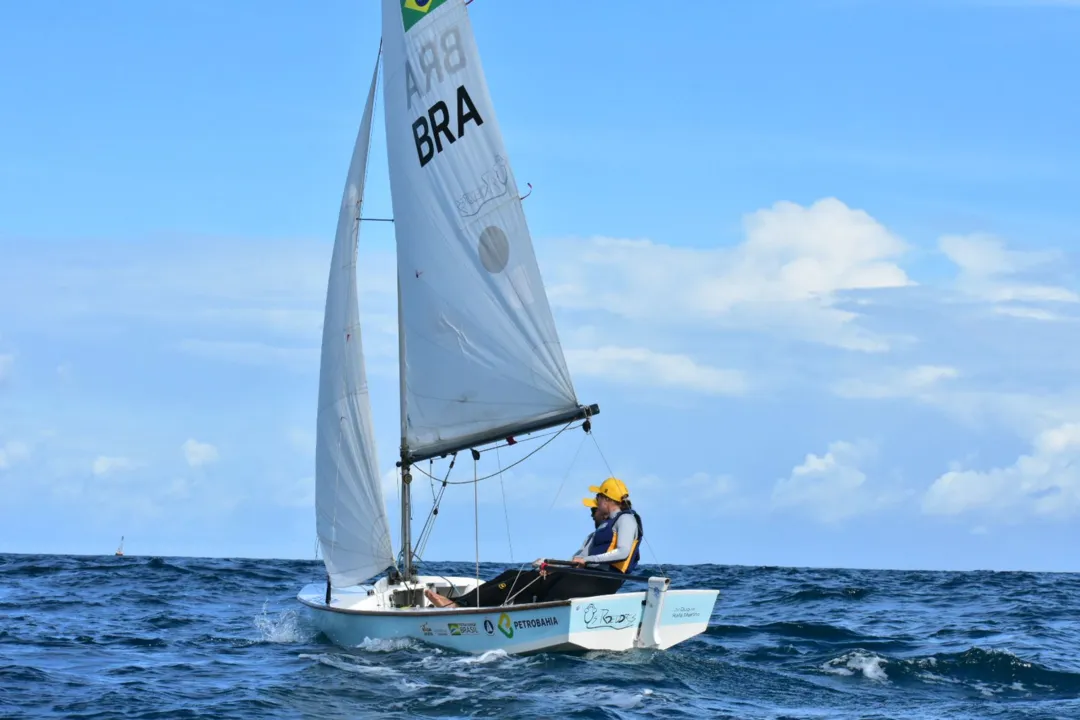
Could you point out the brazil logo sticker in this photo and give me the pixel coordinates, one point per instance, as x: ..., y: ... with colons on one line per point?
x: 413, y: 11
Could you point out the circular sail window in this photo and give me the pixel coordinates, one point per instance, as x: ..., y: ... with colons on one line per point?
x: 494, y: 249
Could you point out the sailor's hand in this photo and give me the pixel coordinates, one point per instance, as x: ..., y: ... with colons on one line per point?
x: 579, y: 561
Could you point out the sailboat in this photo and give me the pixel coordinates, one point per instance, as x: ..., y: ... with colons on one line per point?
x: 120, y: 550
x: 479, y: 363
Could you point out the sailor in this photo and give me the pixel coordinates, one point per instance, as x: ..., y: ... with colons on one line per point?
x: 598, y: 518
x: 615, y: 544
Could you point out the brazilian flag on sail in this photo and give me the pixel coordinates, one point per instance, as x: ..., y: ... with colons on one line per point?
x: 413, y: 11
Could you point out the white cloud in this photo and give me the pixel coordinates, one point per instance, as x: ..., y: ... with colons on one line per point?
x: 990, y: 272
x: 254, y: 353
x: 787, y: 275
x: 300, y: 493
x: 198, y: 454
x: 179, y: 488
x: 1043, y: 483
x: 704, y: 487
x: 302, y: 440
x: 832, y: 486
x: 703, y: 493
x: 1028, y: 313
x: 7, y: 362
x: 13, y: 452
x: 641, y: 366
x: 298, y: 321
x: 105, y: 465
x: 205, y: 289
x: 916, y: 382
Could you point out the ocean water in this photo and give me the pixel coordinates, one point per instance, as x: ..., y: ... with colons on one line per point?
x: 147, y: 637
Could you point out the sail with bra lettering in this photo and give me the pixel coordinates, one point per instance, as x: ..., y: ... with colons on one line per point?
x: 481, y: 357
x: 351, y: 520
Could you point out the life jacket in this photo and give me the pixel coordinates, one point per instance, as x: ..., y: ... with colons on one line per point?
x: 605, y: 539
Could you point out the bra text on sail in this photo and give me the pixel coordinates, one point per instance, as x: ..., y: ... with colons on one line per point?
x: 439, y: 58
x: 429, y: 130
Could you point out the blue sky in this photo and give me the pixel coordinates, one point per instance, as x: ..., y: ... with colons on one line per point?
x: 816, y: 261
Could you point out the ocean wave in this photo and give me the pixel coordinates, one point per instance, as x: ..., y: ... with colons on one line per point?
x: 790, y: 629
x: 826, y: 594
x: 168, y: 636
x: 980, y: 668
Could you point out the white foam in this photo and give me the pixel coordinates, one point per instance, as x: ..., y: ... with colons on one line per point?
x: 351, y: 664
x: 488, y: 657
x: 385, y: 644
x: 285, y: 627
x: 871, y: 666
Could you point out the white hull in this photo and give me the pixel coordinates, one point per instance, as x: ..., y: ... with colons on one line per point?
x: 653, y: 618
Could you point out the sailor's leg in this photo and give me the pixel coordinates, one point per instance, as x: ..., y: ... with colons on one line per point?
x: 493, y: 592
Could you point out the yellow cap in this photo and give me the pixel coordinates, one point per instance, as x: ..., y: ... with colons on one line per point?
x: 613, y: 488
x: 589, y: 502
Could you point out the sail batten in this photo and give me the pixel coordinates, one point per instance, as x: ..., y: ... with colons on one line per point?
x: 351, y: 519
x: 480, y: 354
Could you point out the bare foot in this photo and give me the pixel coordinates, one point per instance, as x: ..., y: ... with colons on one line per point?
x: 438, y: 600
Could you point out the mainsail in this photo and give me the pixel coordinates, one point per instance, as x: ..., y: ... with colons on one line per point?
x: 350, y: 512
x: 480, y: 356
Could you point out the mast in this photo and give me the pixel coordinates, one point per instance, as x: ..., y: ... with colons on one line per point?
x: 406, y: 473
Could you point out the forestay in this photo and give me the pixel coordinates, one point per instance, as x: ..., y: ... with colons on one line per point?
x: 480, y: 353
x: 350, y: 512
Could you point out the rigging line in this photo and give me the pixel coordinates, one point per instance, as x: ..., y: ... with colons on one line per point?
x: 517, y: 577
x: 523, y: 589
x: 506, y: 511
x: 530, y: 438
x: 652, y: 552
x: 514, y: 464
x: 567, y: 473
x: 429, y: 523
x: 429, y: 528
x: 602, y: 456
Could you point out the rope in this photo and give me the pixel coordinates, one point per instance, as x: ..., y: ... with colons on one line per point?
x: 508, y: 467
x: 567, y: 473
x: 530, y: 438
x: 429, y: 523
x: 523, y: 589
x: 506, y: 510
x: 611, y: 473
x: 431, y: 481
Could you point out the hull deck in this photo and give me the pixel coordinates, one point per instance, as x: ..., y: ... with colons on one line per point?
x: 657, y: 617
